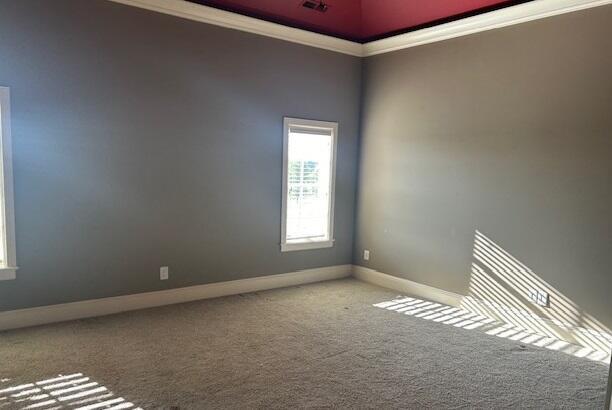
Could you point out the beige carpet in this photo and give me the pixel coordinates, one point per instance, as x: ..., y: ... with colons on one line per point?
x: 322, y: 345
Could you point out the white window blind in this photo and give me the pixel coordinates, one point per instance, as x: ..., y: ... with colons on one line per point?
x: 308, y: 189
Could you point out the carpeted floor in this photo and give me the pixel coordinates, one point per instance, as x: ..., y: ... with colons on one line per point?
x: 320, y: 345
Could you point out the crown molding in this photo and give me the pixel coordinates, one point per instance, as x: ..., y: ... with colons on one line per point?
x: 210, y: 15
x: 534, y: 10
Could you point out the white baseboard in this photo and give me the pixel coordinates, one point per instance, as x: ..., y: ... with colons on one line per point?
x: 99, y: 307
x: 106, y: 306
x: 404, y: 285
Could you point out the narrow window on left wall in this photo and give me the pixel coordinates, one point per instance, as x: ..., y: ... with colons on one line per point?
x: 8, y: 262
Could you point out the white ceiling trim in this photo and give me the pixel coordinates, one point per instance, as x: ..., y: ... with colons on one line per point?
x: 210, y: 15
x: 508, y: 16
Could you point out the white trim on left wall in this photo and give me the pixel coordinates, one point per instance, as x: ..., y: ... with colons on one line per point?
x: 14, y: 319
x: 7, y: 204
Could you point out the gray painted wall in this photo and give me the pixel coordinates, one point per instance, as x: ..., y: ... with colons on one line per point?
x: 508, y: 132
x: 143, y: 140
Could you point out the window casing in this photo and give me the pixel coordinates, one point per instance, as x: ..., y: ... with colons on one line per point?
x: 309, y: 168
x: 8, y: 263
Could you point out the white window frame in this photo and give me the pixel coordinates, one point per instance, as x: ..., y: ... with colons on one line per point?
x: 7, y: 208
x: 288, y: 246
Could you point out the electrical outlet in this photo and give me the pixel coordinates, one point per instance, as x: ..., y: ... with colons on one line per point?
x: 163, y: 273
x: 366, y: 255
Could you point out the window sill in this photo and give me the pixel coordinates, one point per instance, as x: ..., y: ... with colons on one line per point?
x: 306, y: 245
x: 8, y: 273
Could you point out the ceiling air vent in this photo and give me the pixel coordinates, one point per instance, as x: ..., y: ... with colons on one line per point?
x: 315, y: 5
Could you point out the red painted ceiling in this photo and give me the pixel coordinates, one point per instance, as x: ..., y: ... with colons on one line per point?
x: 360, y: 20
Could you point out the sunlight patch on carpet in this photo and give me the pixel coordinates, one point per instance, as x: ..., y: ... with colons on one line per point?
x: 73, y: 391
x: 469, y: 320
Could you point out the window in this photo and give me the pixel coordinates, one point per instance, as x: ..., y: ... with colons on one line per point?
x: 309, y: 168
x: 8, y: 265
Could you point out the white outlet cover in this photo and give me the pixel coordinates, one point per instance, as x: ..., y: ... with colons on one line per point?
x: 366, y: 255
x: 163, y: 273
